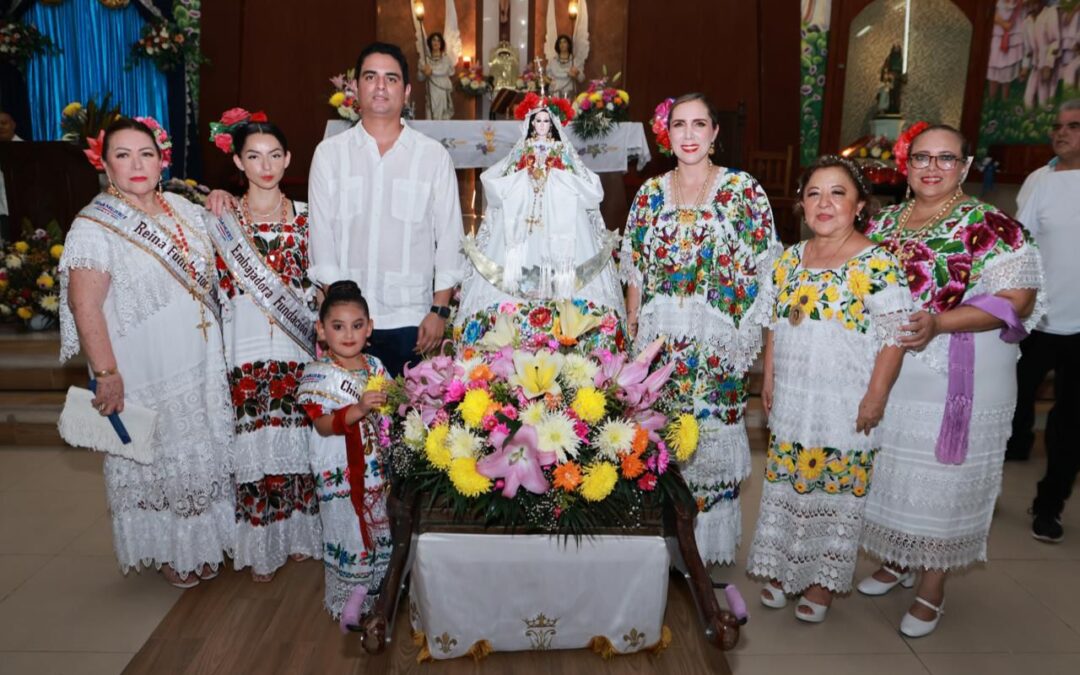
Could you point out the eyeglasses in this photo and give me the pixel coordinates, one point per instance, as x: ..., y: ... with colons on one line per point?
x: 945, y: 162
x: 1071, y: 126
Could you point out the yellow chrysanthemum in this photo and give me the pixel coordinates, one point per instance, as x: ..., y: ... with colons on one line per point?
x: 682, y: 436
x: 474, y: 406
x: 624, y: 96
x: 435, y: 447
x: 22, y: 246
x: 3, y: 284
x: 859, y: 282
x: 807, y: 297
x: 589, y: 404
x: 337, y: 99
x: 598, y: 481
x: 24, y: 313
x: 56, y: 251
x: 378, y: 383
x: 45, y: 282
x: 466, y: 479
x: 615, y: 436
x: 72, y: 108
x: 50, y: 303
x: 811, y: 462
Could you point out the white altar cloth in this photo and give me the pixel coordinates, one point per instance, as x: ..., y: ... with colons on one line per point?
x: 535, y: 592
x: 477, y: 144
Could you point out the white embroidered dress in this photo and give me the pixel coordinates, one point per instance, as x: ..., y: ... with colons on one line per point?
x: 277, y: 512
x: 180, y: 509
x: 828, y: 327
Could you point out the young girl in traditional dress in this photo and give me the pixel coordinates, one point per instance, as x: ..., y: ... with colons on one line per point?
x: 340, y: 394
x: 268, y: 325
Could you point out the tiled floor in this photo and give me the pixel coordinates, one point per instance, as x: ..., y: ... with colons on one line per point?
x: 65, y: 608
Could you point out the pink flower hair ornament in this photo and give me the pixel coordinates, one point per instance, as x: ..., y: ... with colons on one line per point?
x: 902, y: 147
x: 221, y: 132
x: 95, y: 146
x: 659, y: 124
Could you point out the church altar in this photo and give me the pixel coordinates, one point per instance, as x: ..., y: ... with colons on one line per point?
x: 478, y: 144
x: 538, y: 592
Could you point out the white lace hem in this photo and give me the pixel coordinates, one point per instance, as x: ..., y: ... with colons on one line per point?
x: 265, y: 548
x: 923, y: 552
x: 151, y: 538
x: 718, y: 531
x: 803, y: 540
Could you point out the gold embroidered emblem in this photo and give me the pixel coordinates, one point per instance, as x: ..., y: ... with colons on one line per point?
x: 634, y: 638
x: 540, y: 630
x: 445, y: 642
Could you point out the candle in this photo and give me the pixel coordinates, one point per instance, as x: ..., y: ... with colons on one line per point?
x: 573, y: 10
x: 418, y: 8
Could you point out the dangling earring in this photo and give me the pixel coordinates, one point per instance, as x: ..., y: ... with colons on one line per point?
x: 160, y: 189
x: 907, y: 193
x: 712, y: 148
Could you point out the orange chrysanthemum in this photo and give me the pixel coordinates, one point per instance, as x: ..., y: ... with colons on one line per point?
x: 468, y: 353
x: 482, y: 372
x: 641, y: 441
x: 632, y: 466
x: 567, y: 476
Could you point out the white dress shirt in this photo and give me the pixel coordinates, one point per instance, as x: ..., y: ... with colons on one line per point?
x: 1049, y: 206
x: 391, y: 223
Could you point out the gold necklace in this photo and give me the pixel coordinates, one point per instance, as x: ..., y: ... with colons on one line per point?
x: 933, y: 220
x: 250, y: 214
x: 182, y: 245
x: 701, y: 193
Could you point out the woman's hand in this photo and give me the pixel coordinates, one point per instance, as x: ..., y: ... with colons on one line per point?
x: 427, y: 69
x: 871, y: 410
x: 767, y: 394
x: 371, y: 400
x: 219, y: 202
x: 922, y: 327
x: 110, y: 395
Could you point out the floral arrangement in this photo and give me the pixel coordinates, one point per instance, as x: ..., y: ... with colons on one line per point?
x: 903, y: 145
x: 28, y: 281
x: 559, y: 108
x: 534, y: 433
x: 345, y: 98
x: 164, y: 43
x: 20, y: 42
x: 529, y: 81
x: 81, y: 122
x: 472, y: 82
x: 870, y: 148
x: 189, y: 189
x: 221, y: 132
x: 600, y: 107
x: 659, y: 123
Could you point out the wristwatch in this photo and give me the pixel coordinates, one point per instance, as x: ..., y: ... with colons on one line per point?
x: 442, y: 311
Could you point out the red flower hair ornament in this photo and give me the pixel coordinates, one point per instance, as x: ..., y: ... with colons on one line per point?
x: 903, y: 144
x: 221, y: 132
x: 559, y: 108
x: 659, y: 124
x: 161, y: 138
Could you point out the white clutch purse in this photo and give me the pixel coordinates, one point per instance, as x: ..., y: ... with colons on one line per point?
x: 129, y: 434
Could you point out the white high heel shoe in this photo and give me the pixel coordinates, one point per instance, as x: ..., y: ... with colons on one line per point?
x: 871, y: 586
x: 773, y: 597
x: 816, y: 614
x: 914, y: 627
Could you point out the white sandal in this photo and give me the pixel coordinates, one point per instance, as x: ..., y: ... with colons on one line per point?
x: 871, y: 586
x: 773, y: 597
x: 817, y: 612
x: 914, y: 627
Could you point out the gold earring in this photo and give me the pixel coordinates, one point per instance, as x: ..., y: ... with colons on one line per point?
x: 712, y: 148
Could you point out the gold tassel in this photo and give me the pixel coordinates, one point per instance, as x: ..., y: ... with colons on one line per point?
x: 602, y: 646
x: 420, y: 640
x: 662, y: 644
x: 480, y: 650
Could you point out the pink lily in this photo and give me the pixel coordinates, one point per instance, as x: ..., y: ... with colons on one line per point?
x: 518, y: 461
x: 652, y: 422
x: 502, y: 363
x: 642, y: 395
x: 426, y: 384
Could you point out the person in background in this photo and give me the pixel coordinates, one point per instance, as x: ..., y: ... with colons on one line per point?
x: 1049, y: 206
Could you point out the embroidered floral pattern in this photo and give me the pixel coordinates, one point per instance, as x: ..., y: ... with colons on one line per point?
x: 557, y: 156
x: 264, y: 395
x: 820, y: 468
x: 945, y: 260
x: 275, y: 498
x: 703, y: 383
x: 692, y: 252
x: 284, y: 247
x: 708, y: 495
x: 832, y: 295
x: 536, y: 321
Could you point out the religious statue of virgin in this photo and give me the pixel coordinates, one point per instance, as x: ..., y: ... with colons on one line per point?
x: 542, y: 241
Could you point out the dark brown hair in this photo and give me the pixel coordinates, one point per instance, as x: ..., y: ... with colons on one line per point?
x: 862, y: 187
x: 965, y: 147
x: 122, y: 123
x: 695, y: 96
